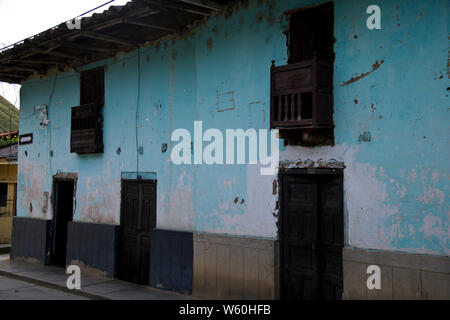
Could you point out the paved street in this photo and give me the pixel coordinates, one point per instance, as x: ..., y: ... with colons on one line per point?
x: 24, y: 280
x: 12, y: 289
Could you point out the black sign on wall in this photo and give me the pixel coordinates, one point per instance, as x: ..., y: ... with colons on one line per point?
x: 26, y: 138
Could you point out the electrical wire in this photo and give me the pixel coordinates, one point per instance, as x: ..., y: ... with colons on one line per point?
x: 137, y: 110
x: 49, y: 126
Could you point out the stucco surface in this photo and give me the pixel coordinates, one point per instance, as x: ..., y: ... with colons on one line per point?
x: 391, y: 83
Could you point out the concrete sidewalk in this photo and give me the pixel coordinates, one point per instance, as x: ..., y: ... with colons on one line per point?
x: 92, y: 286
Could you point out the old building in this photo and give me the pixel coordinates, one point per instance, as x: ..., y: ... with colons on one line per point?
x: 8, y: 190
x: 362, y: 178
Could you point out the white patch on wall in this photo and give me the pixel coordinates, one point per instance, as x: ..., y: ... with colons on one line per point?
x: 430, y: 195
x: 33, y: 188
x: 433, y: 227
x: 177, y: 212
x: 100, y: 200
x: 252, y: 216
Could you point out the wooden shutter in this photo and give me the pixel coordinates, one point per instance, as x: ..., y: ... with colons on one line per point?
x: 92, y: 86
x: 87, y: 129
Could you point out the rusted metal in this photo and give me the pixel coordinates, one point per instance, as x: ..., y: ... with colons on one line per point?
x: 375, y: 66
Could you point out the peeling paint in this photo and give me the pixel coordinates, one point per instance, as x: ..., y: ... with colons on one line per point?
x: 394, y: 187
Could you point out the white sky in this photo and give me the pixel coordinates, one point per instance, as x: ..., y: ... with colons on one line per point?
x: 20, y: 19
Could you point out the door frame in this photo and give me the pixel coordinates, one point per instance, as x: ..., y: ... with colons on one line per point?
x: 305, y: 172
x: 63, y: 176
x: 122, y: 182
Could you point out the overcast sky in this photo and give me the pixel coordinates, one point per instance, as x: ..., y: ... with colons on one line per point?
x: 20, y: 19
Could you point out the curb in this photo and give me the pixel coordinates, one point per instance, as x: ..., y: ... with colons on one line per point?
x: 52, y: 286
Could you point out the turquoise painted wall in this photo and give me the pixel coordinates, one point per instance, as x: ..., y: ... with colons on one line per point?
x: 395, y: 185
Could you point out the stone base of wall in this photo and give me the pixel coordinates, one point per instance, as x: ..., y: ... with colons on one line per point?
x: 30, y: 239
x: 233, y: 267
x: 93, y: 247
x: 404, y: 276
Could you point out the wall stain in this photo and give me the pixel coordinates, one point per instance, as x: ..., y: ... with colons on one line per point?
x: 210, y: 44
x: 375, y: 66
x: 260, y: 17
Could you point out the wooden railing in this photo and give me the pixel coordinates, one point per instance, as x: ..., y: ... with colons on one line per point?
x: 301, y: 95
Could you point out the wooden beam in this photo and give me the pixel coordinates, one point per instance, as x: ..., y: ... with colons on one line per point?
x: 104, y: 37
x: 58, y: 54
x: 149, y: 25
x: 5, y: 78
x: 105, y: 25
x: 144, y: 12
x: 72, y: 45
x: 190, y: 9
x: 13, y: 68
x: 35, y: 61
x: 212, y: 5
x: 7, y: 74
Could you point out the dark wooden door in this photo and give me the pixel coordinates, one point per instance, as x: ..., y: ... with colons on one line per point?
x: 332, y: 236
x: 138, y: 218
x: 311, y: 237
x: 300, y: 235
x: 63, y: 213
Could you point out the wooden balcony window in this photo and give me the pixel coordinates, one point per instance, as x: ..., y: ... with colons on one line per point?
x: 301, y: 95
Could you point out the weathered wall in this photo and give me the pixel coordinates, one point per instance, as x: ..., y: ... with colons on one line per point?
x: 5, y: 229
x: 389, y: 82
x: 404, y: 276
x: 396, y: 184
x: 30, y: 239
x: 233, y: 268
x: 8, y: 174
x: 93, y: 247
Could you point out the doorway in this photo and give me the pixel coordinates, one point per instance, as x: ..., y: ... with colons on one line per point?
x: 138, y: 218
x: 63, y: 213
x: 311, y: 234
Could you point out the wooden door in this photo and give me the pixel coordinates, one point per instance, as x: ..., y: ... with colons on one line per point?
x: 63, y: 213
x: 332, y: 236
x: 311, y: 236
x: 299, y: 238
x: 138, y: 218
